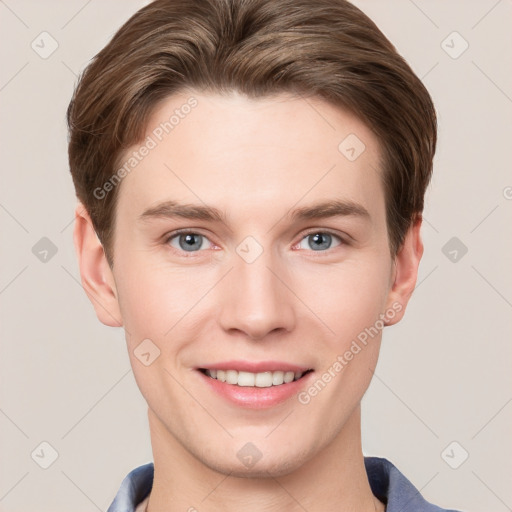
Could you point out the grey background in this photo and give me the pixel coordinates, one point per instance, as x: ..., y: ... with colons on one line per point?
x: 444, y: 373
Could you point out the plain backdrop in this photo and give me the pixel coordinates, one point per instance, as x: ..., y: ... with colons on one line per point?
x: 440, y: 404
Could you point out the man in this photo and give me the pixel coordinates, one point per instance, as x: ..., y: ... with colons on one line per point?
x: 250, y: 176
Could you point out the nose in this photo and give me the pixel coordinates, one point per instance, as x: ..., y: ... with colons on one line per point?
x: 256, y: 299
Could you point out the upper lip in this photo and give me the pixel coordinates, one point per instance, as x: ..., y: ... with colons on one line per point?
x: 255, y: 367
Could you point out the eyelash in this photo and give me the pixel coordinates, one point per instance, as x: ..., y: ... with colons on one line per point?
x: 191, y: 254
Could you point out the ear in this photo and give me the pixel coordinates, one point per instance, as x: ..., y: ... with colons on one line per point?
x: 97, y: 278
x: 405, y: 272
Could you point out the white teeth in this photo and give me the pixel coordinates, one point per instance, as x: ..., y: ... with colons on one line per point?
x: 288, y: 377
x: 244, y: 378
x: 263, y: 380
x: 231, y: 376
x: 259, y: 380
x: 277, y: 378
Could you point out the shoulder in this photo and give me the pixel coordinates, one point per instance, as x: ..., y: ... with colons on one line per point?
x: 134, y: 489
x: 393, y: 488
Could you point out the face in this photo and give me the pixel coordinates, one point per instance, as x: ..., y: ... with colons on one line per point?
x: 250, y: 245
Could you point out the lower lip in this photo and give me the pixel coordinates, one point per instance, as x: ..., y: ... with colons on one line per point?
x: 253, y: 397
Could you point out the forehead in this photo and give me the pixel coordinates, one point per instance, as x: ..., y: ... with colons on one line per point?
x: 235, y: 152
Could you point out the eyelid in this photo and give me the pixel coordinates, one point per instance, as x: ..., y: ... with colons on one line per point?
x: 183, y: 231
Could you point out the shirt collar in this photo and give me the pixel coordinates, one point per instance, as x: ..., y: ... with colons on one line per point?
x: 386, y: 481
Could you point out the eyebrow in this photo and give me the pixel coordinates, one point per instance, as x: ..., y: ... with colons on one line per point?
x: 326, y: 209
x: 321, y: 210
x: 173, y: 209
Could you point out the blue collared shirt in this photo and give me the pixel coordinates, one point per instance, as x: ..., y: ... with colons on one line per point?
x: 386, y: 482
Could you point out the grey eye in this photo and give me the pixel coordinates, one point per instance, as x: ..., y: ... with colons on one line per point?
x: 319, y: 241
x: 189, y: 242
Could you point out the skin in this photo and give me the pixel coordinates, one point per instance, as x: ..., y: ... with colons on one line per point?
x: 255, y: 160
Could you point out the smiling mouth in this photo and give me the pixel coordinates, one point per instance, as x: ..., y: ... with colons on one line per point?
x: 258, y: 380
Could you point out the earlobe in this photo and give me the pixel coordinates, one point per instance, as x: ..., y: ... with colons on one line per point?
x: 405, y: 272
x: 95, y: 272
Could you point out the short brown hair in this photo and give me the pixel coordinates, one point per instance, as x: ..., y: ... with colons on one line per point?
x: 323, y: 48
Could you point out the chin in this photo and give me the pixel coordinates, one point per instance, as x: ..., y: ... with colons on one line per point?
x: 269, y: 465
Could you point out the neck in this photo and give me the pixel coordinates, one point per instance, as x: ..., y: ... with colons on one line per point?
x: 334, y: 479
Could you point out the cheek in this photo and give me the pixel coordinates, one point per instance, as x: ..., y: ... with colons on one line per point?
x: 348, y: 298
x: 153, y: 305
x: 152, y: 299
x: 169, y: 308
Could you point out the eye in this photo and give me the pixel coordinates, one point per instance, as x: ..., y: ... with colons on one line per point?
x: 320, y: 241
x: 187, y: 241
